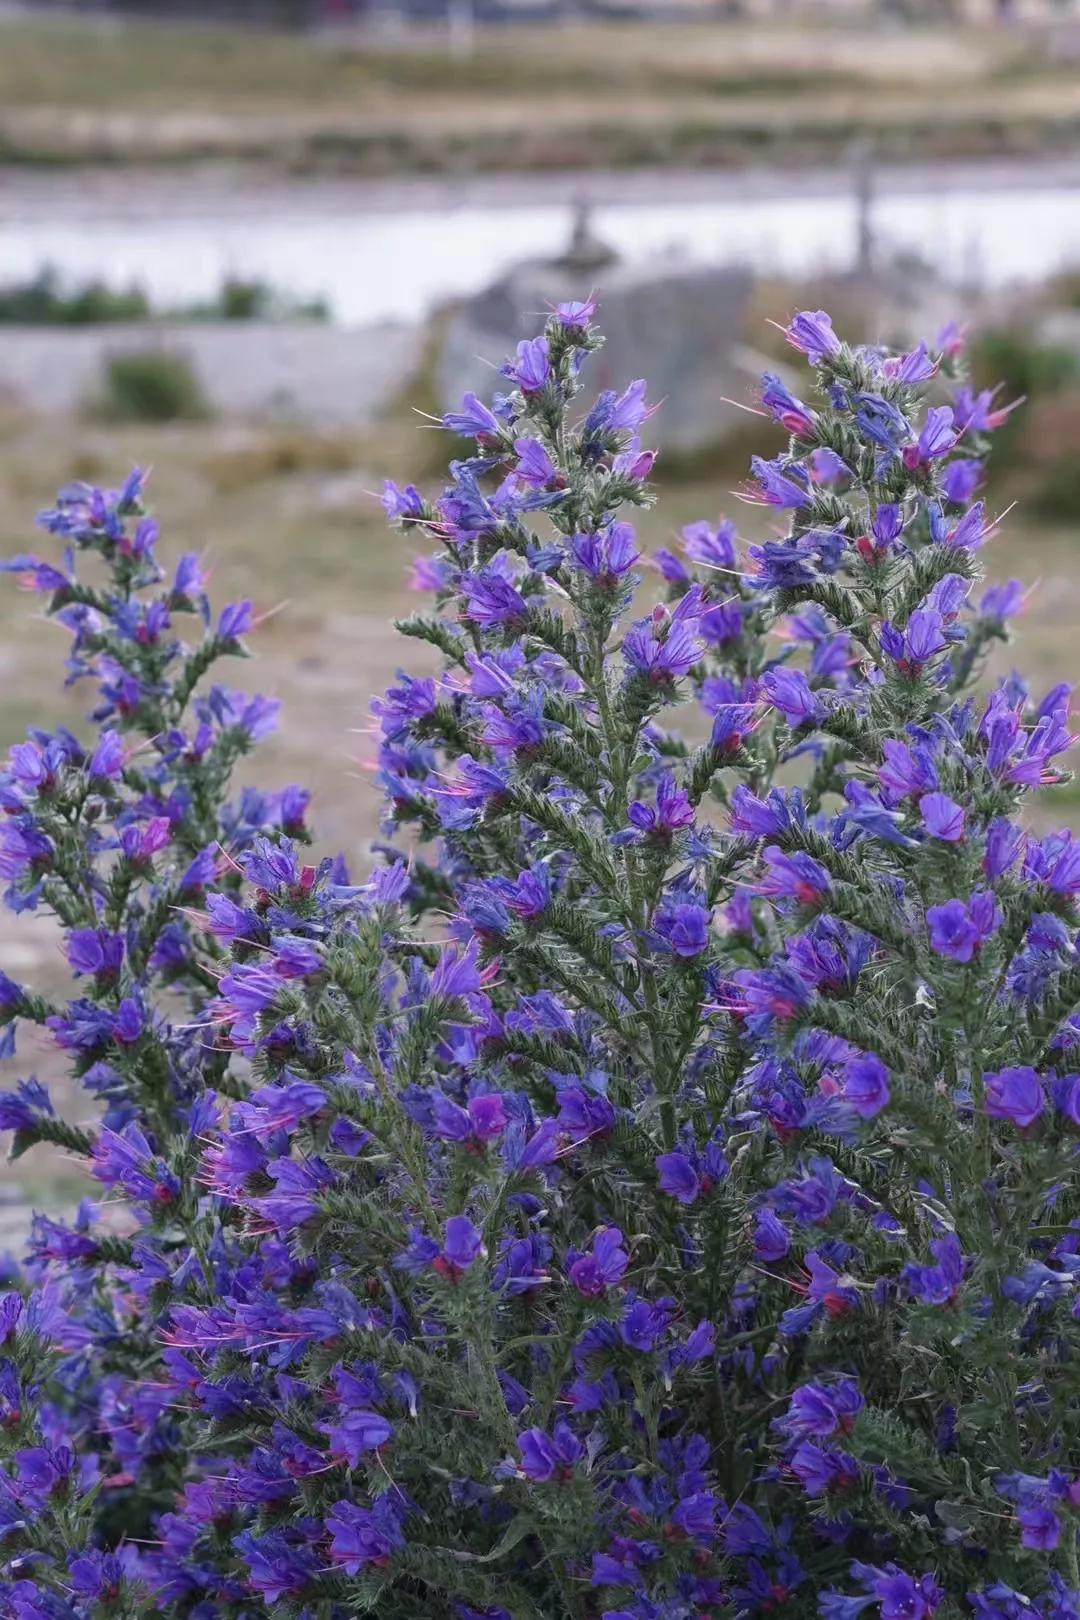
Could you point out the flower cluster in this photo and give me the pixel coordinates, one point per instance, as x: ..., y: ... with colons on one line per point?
x: 649, y: 1195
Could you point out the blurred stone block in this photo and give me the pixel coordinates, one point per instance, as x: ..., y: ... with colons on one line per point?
x: 679, y: 327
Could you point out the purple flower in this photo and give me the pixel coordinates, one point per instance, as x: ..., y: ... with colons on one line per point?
x: 125, y: 1159
x: 607, y: 556
x: 672, y: 568
x: 456, y: 973
x: 401, y: 504
x: 474, y: 421
x: 549, y: 1457
x: 937, y: 1284
x: 789, y: 691
x: 827, y: 468
x: 354, y: 1433
x: 971, y: 530
x: 532, y: 367
x: 618, y: 413
x: 295, y: 1200
x: 797, y: 877
x: 673, y: 811
x: 1016, y: 1095
x: 678, y: 1177
x: 1040, y: 1527
x: 942, y: 817
x: 237, y: 619
x: 575, y: 314
x: 483, y: 1120
x: 108, y: 758
x: 977, y: 410
x: 633, y: 462
x: 663, y: 647
x: 888, y: 524
x: 277, y: 1567
x: 881, y: 421
x: 811, y: 332
x: 960, y: 479
x: 23, y: 1110
x: 643, y: 1325
x: 821, y: 1410
x: 731, y: 722
x: 958, y: 930
x: 710, y: 547
x: 462, y: 1246
x: 141, y: 843
x: 603, y: 1267
x: 936, y: 439
x: 777, y: 483
x: 901, y: 1596
x: 1004, y: 841
x: 492, y: 602
x: 866, y: 1085
x: 781, y: 404
x: 683, y: 926
x: 534, y: 466
x: 363, y: 1537
x: 820, y: 1470
x: 906, y: 771
x: 1066, y: 1093
x: 914, y: 367
x: 95, y: 950
x: 771, y: 1239
x: 922, y: 640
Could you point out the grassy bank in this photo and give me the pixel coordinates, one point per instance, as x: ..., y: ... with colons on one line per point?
x: 625, y: 95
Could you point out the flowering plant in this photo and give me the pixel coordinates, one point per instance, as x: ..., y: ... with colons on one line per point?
x: 649, y: 1195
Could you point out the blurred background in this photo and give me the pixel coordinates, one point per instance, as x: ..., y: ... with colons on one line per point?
x: 243, y: 241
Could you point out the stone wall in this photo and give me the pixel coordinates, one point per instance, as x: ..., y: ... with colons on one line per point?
x: 304, y: 372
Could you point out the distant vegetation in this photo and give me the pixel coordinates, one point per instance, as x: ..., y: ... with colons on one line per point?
x: 46, y: 300
x: 718, y: 95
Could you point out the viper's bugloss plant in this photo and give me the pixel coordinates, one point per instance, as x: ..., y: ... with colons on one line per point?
x: 651, y: 1194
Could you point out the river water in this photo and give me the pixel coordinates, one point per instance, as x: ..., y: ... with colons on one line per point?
x: 391, y: 252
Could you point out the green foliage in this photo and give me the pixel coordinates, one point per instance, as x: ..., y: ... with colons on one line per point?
x: 151, y: 385
x: 44, y: 300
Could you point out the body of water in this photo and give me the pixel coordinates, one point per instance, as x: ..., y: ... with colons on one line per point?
x: 392, y: 253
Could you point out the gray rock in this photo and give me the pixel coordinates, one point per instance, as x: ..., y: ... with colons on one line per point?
x: 679, y: 327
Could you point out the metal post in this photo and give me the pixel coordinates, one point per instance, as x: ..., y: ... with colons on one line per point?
x: 461, y: 19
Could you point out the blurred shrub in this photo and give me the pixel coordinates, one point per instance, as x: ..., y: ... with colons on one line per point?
x: 1057, y: 495
x: 151, y: 385
x: 1045, y: 455
x: 1064, y: 288
x: 253, y: 300
x: 1013, y: 360
x: 42, y: 302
